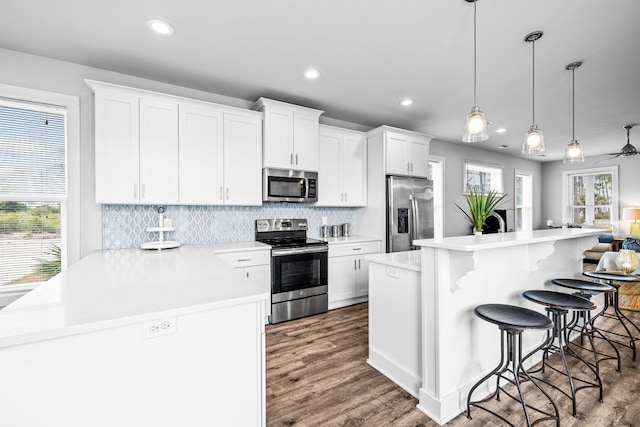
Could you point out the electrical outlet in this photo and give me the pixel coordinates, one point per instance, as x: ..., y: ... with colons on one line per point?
x: 157, y: 328
x: 324, y: 220
x: 393, y: 272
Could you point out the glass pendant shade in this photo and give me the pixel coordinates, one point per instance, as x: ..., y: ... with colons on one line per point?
x: 533, y: 141
x: 573, y: 153
x: 627, y: 260
x: 475, y: 127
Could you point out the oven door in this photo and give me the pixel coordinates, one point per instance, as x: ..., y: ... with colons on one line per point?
x: 296, y: 269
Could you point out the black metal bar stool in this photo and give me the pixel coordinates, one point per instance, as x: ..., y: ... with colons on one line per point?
x: 557, y: 305
x: 613, y: 301
x: 512, y: 321
x: 582, y: 321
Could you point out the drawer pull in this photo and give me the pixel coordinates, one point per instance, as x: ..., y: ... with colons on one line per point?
x: 244, y: 259
x: 356, y: 249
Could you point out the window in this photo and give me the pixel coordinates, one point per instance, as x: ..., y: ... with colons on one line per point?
x: 32, y: 191
x: 482, y: 177
x: 590, y: 196
x: 524, y: 200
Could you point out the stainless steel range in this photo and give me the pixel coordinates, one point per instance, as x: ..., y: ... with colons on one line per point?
x: 298, y: 269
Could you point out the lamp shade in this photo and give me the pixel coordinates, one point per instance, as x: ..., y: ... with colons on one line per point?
x: 631, y: 213
x: 475, y: 127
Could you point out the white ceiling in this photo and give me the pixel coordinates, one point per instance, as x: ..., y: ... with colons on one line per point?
x: 371, y: 53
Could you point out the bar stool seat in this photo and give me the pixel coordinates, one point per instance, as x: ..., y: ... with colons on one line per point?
x: 557, y: 305
x: 587, y: 289
x: 512, y: 321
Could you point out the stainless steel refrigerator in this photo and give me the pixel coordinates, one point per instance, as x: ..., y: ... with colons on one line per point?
x: 409, y: 212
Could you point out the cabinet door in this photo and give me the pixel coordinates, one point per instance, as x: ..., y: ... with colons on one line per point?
x: 201, y: 155
x: 242, y: 160
x: 342, y: 278
x: 362, y: 277
x: 262, y: 272
x: 305, y: 141
x: 330, y: 184
x: 117, y: 148
x: 396, y: 154
x: 158, y: 151
x: 354, y: 170
x: 278, y: 138
x: 418, y: 155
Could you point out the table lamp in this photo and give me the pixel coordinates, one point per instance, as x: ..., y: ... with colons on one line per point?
x: 634, y: 214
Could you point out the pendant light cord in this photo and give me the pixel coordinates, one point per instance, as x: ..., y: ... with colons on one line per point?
x: 573, y: 106
x: 474, y: 51
x: 533, y: 83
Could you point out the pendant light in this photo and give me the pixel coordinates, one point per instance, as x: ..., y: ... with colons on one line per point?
x: 533, y: 139
x: 573, y: 152
x: 475, y: 127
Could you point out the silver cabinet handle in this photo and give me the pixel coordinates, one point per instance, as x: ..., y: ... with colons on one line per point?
x: 291, y: 160
x: 296, y: 159
x: 247, y: 274
x: 408, y: 166
x: 244, y: 260
x: 355, y: 264
x: 356, y: 249
x: 345, y: 196
x: 144, y: 191
x: 341, y: 196
x: 135, y: 191
x: 227, y: 193
x: 221, y: 198
x: 359, y: 265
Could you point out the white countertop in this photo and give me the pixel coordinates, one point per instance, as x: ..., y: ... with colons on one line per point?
x: 219, y: 248
x: 409, y: 260
x: 501, y: 240
x: 119, y: 287
x: 350, y: 239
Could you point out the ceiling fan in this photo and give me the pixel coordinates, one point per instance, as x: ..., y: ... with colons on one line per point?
x: 628, y: 149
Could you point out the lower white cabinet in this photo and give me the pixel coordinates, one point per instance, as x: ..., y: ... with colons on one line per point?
x: 253, y: 264
x: 349, y: 271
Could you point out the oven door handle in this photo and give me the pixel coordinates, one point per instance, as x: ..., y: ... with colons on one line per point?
x: 297, y: 251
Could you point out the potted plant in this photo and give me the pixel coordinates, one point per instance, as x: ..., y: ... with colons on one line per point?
x: 481, y: 206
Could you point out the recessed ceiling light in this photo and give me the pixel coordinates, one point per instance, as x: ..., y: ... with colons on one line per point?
x: 311, y: 73
x: 406, y: 102
x: 500, y: 130
x: 160, y: 27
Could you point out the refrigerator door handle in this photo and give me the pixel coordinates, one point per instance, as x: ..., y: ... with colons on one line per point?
x: 412, y: 220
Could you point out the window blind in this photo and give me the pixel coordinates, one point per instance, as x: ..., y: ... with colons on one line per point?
x: 32, y: 191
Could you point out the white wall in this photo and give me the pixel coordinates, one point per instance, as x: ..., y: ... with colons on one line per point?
x: 628, y: 192
x: 455, y: 224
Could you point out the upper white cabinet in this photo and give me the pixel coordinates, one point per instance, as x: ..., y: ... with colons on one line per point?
x: 407, y: 153
x: 220, y: 156
x: 160, y: 149
x: 342, y: 167
x: 290, y: 135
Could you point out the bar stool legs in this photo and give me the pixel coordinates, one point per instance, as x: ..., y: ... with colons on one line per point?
x: 562, y: 347
x: 612, y: 301
x: 512, y: 321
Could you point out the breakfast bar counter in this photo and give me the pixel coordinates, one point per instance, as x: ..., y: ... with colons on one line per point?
x: 457, y: 274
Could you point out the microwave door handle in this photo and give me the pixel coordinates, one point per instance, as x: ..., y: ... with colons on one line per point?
x: 305, y: 188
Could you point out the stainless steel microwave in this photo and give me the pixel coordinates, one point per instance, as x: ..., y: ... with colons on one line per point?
x: 281, y: 185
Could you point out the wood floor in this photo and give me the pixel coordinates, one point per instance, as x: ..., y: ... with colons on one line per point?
x: 317, y: 375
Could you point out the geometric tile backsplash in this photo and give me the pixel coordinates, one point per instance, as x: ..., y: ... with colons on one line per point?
x: 124, y: 226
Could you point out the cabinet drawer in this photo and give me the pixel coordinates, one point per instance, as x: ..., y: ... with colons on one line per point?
x: 344, y: 249
x: 246, y: 259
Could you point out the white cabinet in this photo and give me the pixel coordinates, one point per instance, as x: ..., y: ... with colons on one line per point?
x: 160, y: 149
x: 349, y: 272
x: 290, y: 135
x: 406, y: 153
x: 342, y: 167
x: 201, y: 155
x: 136, y: 148
x: 220, y: 156
x: 253, y: 264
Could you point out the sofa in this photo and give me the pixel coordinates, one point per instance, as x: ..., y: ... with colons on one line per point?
x: 605, y: 244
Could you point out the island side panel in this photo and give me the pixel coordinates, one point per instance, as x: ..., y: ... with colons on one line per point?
x: 210, y: 371
x: 459, y: 348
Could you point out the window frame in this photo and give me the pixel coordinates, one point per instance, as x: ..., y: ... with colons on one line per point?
x: 527, y: 205
x: 567, y: 192
x: 438, y: 194
x: 70, y: 206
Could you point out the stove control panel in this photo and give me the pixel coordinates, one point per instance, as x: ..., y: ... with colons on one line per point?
x: 264, y: 225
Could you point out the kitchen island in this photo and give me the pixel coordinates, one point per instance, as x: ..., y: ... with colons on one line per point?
x: 457, y: 274
x: 132, y: 337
